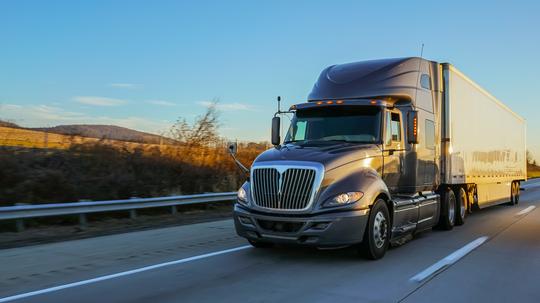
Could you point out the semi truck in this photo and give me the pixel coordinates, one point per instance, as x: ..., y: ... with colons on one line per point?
x: 382, y: 150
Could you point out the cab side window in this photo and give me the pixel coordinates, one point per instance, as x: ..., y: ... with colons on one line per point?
x: 425, y: 81
x: 393, y: 128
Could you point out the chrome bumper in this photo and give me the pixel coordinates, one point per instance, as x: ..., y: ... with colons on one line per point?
x: 329, y: 229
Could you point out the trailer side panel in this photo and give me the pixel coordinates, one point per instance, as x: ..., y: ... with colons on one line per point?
x: 486, y: 143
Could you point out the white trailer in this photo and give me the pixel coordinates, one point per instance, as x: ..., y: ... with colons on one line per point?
x: 484, y: 142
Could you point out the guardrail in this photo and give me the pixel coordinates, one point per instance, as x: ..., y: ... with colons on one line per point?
x: 21, y: 212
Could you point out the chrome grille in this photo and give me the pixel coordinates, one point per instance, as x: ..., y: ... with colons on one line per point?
x: 290, y: 189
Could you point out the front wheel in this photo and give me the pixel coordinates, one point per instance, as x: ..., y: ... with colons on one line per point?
x: 377, y: 234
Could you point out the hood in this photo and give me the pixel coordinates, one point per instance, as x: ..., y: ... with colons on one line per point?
x: 330, y: 157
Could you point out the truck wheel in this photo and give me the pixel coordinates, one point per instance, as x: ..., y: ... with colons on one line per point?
x: 514, y: 194
x: 518, y: 192
x: 448, y: 210
x: 471, y: 197
x: 258, y: 244
x: 461, y: 206
x: 377, y: 234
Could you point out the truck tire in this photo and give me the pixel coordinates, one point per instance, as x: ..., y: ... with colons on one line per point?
x: 514, y: 193
x: 448, y: 210
x: 518, y: 192
x: 377, y: 234
x: 258, y: 244
x: 461, y: 205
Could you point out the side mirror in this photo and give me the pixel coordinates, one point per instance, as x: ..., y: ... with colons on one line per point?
x: 412, y: 127
x: 232, y: 147
x: 276, y: 138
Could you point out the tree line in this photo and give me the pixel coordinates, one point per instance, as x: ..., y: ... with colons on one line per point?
x: 197, y: 163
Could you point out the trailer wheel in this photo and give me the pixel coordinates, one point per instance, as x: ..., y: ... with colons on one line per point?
x: 518, y: 191
x: 259, y: 244
x: 448, y: 210
x: 377, y: 234
x: 461, y: 206
x: 471, y: 198
x: 514, y: 193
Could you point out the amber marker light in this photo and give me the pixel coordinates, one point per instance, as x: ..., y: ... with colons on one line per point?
x: 373, y: 102
x: 415, y: 126
x: 319, y: 102
x: 329, y: 102
x: 339, y: 102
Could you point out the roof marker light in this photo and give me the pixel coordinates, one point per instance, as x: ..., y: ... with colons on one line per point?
x: 319, y: 102
x: 339, y: 102
x: 329, y: 102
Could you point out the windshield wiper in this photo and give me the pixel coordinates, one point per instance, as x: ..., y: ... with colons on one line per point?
x: 318, y: 141
x: 292, y: 141
x: 314, y: 141
x: 350, y: 141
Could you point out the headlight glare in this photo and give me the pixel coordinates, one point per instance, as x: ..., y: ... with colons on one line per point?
x: 344, y: 199
x: 242, y: 195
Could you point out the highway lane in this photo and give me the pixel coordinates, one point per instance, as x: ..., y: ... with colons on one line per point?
x: 503, y: 268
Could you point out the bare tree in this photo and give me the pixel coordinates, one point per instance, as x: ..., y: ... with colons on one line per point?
x: 530, y: 159
x: 202, y: 132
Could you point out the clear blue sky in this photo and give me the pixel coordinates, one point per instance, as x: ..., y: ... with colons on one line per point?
x: 143, y: 64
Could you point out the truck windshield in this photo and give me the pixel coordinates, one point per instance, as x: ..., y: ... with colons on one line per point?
x: 331, y: 124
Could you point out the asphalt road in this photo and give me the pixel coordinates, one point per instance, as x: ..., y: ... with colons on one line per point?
x: 207, y: 263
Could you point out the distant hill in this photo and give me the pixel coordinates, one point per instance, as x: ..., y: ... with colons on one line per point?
x: 8, y: 124
x: 110, y: 132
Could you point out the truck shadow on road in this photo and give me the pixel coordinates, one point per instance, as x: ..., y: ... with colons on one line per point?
x: 482, y: 222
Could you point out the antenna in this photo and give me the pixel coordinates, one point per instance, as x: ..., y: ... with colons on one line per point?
x: 279, y: 113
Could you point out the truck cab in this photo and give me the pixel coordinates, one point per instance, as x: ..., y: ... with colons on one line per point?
x: 360, y: 163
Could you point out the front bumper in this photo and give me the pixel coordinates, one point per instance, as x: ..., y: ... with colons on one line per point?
x: 329, y: 229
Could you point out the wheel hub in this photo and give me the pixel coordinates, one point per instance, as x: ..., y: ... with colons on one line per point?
x: 463, y: 205
x: 380, y: 229
x: 451, y: 210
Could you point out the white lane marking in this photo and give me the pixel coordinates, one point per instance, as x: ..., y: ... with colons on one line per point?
x: 526, y: 210
x: 448, y: 260
x: 120, y: 274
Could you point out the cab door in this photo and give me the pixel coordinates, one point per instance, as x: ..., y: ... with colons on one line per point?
x: 393, y: 150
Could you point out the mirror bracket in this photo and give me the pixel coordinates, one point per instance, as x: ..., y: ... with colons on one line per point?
x: 232, y: 147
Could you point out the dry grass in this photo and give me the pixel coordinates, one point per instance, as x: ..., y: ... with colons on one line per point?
x: 17, y: 137
x: 41, y: 167
x: 97, y: 171
x: 533, y: 174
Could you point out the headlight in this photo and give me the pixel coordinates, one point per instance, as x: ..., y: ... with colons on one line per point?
x: 344, y: 199
x: 242, y: 196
